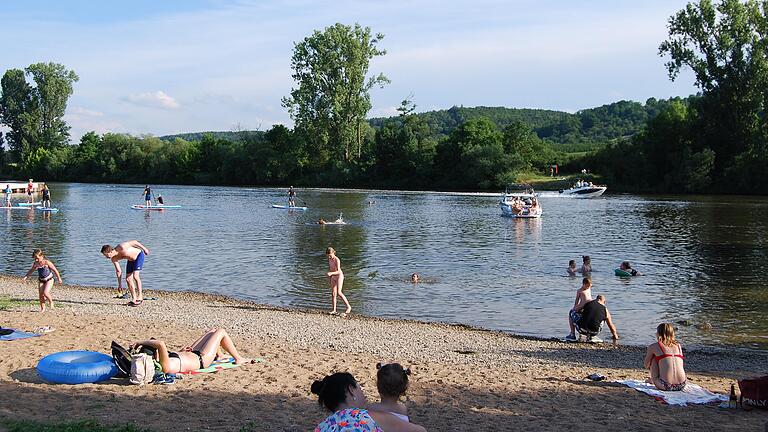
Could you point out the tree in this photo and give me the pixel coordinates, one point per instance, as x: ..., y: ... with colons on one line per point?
x: 726, y: 47
x: 34, y: 114
x: 332, y: 98
x: 53, y: 87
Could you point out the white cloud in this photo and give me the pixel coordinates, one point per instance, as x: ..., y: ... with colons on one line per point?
x: 158, y: 99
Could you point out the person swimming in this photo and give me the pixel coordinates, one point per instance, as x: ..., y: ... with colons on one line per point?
x: 321, y: 221
x: 415, y: 278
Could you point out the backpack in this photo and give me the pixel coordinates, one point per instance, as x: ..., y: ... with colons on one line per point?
x: 142, y: 369
x: 754, y: 392
x: 122, y: 359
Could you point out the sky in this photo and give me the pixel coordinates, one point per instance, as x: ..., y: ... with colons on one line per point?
x: 173, y: 66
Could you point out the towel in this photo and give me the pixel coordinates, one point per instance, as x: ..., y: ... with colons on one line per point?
x: 693, y: 394
x: 17, y: 334
x: 220, y: 365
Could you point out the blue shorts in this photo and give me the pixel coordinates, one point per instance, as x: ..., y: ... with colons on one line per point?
x: 135, y: 265
x: 148, y: 198
x: 575, y: 316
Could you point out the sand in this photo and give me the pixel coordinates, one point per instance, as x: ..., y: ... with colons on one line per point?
x: 464, y: 379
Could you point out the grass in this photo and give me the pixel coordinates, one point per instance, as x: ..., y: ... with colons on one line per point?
x: 76, y: 426
x: 11, y: 303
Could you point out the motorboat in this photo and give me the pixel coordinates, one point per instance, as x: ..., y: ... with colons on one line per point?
x: 520, y: 205
x: 584, y: 189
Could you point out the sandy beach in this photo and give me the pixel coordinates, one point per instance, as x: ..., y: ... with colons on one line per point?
x: 464, y: 379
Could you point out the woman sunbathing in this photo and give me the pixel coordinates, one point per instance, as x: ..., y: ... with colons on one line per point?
x: 664, y: 359
x: 199, y: 355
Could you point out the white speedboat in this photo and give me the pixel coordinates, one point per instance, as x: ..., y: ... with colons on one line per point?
x: 584, y: 190
x: 520, y: 205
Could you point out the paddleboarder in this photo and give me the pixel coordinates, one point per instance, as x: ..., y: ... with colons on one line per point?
x: 30, y: 188
x: 291, y: 197
x: 147, y: 196
x: 8, y: 191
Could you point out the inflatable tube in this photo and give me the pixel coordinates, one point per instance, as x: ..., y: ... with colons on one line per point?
x: 622, y: 273
x: 76, y: 367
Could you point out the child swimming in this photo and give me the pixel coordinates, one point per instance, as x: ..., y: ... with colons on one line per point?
x: 571, y: 268
x: 336, y: 279
x: 392, y: 382
x: 45, y: 272
x: 586, y: 266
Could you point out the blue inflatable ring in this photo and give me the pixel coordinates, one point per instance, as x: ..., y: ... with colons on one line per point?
x: 76, y: 367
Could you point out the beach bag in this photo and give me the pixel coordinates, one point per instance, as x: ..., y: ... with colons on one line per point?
x: 142, y: 369
x: 122, y: 359
x: 754, y: 392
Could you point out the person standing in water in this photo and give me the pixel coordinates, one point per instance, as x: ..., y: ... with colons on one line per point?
x: 336, y: 279
x: 291, y: 197
x: 134, y: 253
x: 30, y: 188
x: 46, y: 197
x: 147, y: 196
x: 8, y: 191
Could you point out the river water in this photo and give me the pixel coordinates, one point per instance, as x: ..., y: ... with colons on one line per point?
x: 701, y: 257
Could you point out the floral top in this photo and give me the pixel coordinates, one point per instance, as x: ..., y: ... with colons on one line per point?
x: 348, y: 420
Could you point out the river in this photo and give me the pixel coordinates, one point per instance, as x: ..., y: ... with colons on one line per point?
x: 701, y: 256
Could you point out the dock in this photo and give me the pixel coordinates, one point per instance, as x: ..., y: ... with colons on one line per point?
x: 21, y: 186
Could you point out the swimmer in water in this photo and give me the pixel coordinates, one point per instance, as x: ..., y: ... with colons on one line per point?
x: 571, y: 268
x: 336, y: 279
x: 321, y: 221
x: 415, y: 278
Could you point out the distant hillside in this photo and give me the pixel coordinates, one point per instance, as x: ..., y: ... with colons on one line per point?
x: 584, y: 128
x: 227, y: 135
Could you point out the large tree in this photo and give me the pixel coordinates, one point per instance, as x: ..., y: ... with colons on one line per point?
x: 725, y: 44
x: 34, y: 113
x: 330, y: 103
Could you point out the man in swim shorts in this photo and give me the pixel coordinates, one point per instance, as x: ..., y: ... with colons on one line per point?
x: 134, y: 252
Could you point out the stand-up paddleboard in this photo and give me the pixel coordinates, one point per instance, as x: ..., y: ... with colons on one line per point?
x: 33, y: 204
x: 154, y: 207
x: 285, y: 207
x: 48, y: 209
x: 16, y: 208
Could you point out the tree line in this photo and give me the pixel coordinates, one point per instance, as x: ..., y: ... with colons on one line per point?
x: 714, y: 141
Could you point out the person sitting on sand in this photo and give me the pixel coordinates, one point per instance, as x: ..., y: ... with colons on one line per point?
x: 583, y: 296
x: 392, y: 382
x: 344, y: 398
x: 586, y: 265
x: 134, y: 253
x: 571, y: 268
x: 415, y: 278
x: 664, y: 359
x: 199, y: 355
x: 627, y: 267
x: 336, y: 279
x: 590, y: 319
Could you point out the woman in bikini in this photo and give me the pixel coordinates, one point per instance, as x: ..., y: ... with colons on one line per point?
x: 336, y: 279
x: 665, y: 360
x: 199, y: 355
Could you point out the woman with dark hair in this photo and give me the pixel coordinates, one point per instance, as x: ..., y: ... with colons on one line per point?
x: 199, y: 355
x: 340, y: 394
x: 392, y: 382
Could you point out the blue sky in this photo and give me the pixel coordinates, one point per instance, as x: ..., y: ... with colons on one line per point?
x: 161, y: 67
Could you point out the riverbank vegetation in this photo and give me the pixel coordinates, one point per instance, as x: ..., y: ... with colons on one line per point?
x: 714, y: 141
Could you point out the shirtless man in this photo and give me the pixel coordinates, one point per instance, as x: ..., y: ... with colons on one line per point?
x: 134, y: 253
x: 583, y: 296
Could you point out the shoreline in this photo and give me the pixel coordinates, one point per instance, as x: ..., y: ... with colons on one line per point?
x: 464, y: 378
x: 203, y: 296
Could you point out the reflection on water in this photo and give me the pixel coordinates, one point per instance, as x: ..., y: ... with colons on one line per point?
x: 699, y: 255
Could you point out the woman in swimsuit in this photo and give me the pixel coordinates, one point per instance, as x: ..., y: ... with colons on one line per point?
x: 45, y: 272
x: 199, y: 355
x: 392, y: 382
x: 344, y: 398
x: 336, y: 279
x: 586, y: 265
x: 665, y: 360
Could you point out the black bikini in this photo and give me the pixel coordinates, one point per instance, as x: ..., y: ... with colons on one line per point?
x: 197, y: 353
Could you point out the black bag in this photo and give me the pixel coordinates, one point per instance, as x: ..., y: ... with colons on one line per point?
x: 122, y: 358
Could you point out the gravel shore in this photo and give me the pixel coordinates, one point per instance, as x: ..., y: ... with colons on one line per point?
x: 465, y: 378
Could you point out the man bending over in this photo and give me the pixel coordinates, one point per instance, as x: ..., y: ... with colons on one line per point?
x: 134, y: 253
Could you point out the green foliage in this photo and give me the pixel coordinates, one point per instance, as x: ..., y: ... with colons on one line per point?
x: 34, y: 113
x: 330, y: 104
x: 75, y: 426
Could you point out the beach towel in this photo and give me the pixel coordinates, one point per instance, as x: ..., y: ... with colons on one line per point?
x: 17, y: 334
x: 219, y: 365
x: 693, y: 394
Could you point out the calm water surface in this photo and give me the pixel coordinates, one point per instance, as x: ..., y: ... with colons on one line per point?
x: 702, y: 257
